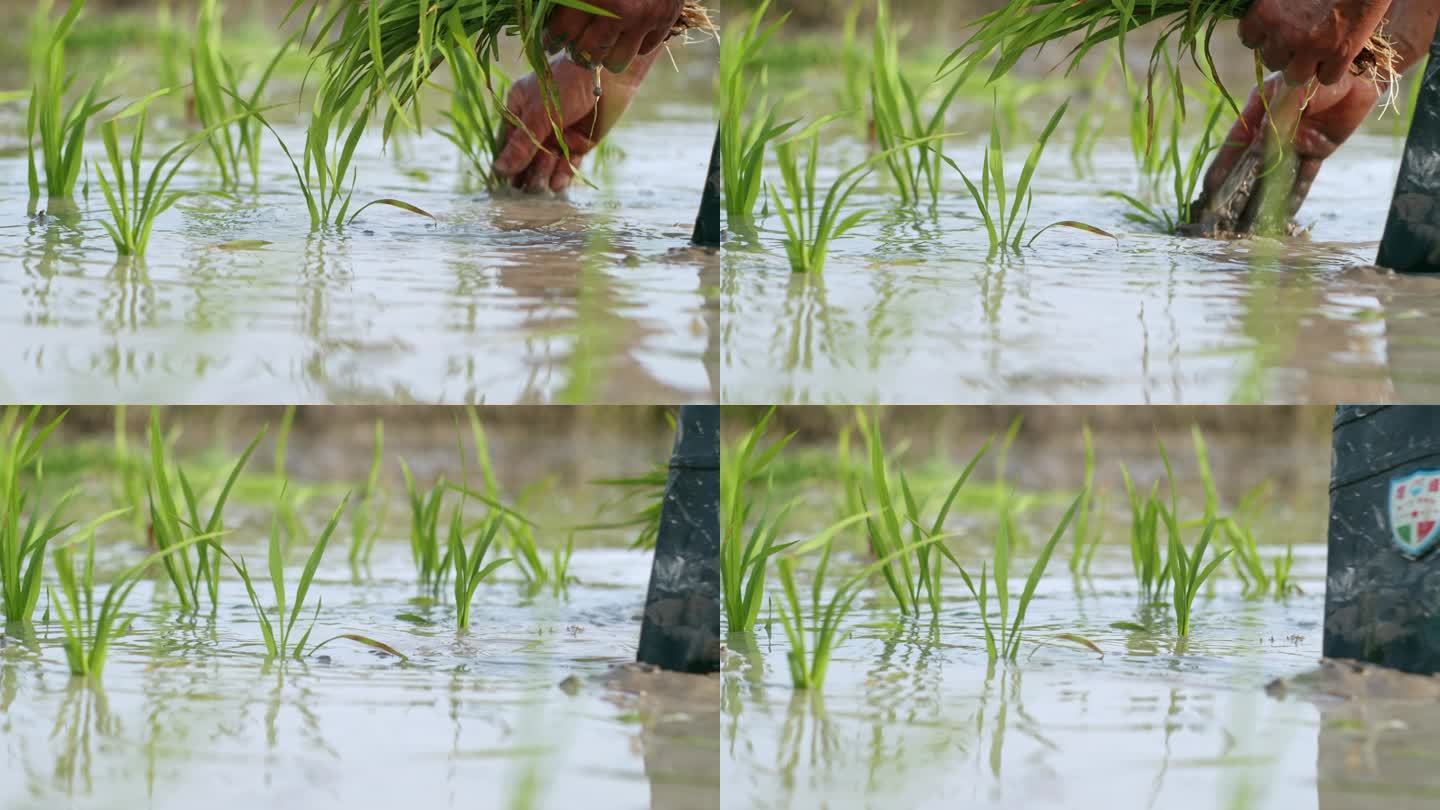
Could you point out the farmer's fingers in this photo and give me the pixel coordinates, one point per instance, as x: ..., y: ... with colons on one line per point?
x: 1246, y: 128
x: 1331, y: 72
x: 566, y: 25
x: 538, y: 177
x: 1301, y: 69
x: 1252, y: 28
x: 578, y: 143
x: 520, y: 144
x: 653, y: 40
x: 1304, y: 178
x: 626, y: 48
x: 595, y: 43
x: 1275, y: 54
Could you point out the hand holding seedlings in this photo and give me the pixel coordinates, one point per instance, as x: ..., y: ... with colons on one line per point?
x: 636, y: 28
x: 530, y: 157
x: 1312, y: 38
x: 1315, y: 122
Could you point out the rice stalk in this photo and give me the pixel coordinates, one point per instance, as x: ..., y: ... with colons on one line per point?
x: 912, y: 581
x: 234, y: 137
x: 172, y: 529
x: 88, y: 633
x: 55, y: 134
x: 276, y: 628
x: 23, y: 540
x: 1003, y: 36
x: 1003, y: 635
x: 387, y: 49
x: 745, y: 138
x: 898, y: 119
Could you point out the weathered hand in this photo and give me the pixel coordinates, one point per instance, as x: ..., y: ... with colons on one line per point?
x: 1306, y: 39
x: 1332, y: 115
x: 531, y: 158
x: 638, y: 28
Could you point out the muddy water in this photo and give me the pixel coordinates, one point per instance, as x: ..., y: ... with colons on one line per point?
x: 189, y: 707
x: 911, y: 715
x: 531, y: 707
x: 590, y: 297
x: 910, y: 309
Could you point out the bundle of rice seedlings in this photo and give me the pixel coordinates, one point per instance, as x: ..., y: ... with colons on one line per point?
x: 1016, y: 28
x: 390, y: 48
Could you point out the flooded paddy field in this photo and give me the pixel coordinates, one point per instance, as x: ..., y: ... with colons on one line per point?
x: 1104, y: 703
x: 537, y: 703
x: 593, y: 295
x: 912, y: 306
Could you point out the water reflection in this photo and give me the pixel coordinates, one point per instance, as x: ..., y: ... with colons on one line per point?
x: 1077, y: 318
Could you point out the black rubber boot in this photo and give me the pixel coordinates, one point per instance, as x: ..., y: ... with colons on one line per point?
x: 1412, y: 231
x: 1382, y: 593
x: 681, y: 627
x: 707, y: 224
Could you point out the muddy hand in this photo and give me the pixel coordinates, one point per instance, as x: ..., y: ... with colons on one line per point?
x: 637, y: 28
x: 1307, y: 39
x: 1329, y: 115
x: 531, y: 157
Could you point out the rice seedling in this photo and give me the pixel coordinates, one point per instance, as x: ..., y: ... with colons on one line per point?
x: 431, y: 557
x: 648, y: 489
x: 519, y: 532
x: 389, y: 48
x: 368, y: 518
x: 135, y: 203
x: 60, y: 131
x: 1186, y: 171
x: 1186, y: 571
x: 277, y: 629
x: 809, y: 229
x: 1011, y: 31
x: 1006, y: 211
x: 1089, y: 529
x: 326, y: 173
x: 1146, y: 552
x: 743, y: 562
x: 23, y: 541
x: 855, y: 67
x: 1091, y: 126
x: 898, y: 119
x: 172, y: 528
x: 1003, y: 636
x: 477, y: 113
x: 809, y: 662
x: 215, y: 84
x: 470, y: 567
x: 743, y: 144
x: 908, y: 583
x: 88, y: 634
